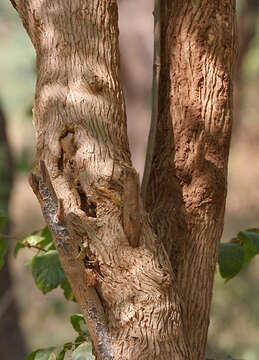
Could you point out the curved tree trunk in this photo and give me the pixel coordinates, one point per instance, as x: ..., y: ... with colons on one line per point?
x: 12, y: 345
x: 143, y: 287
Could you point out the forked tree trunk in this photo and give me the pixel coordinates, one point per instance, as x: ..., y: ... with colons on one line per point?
x: 143, y: 287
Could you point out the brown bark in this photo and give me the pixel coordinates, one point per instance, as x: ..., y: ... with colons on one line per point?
x: 88, y: 189
x: 187, y: 186
x: 12, y: 343
x: 144, y: 288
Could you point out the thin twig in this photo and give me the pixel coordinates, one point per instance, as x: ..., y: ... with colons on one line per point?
x: 34, y: 247
x: 25, y: 243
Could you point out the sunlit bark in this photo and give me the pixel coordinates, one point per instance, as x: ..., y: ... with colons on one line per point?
x: 144, y: 287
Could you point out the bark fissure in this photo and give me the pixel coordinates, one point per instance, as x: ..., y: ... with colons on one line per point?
x: 197, y: 67
x: 88, y: 190
x: 67, y: 248
x: 145, y: 281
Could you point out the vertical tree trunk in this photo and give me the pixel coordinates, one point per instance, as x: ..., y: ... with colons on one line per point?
x: 187, y: 186
x: 144, y: 288
x: 88, y: 189
x: 12, y: 344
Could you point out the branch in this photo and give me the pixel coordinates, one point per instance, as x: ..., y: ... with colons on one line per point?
x: 87, y: 297
x: 155, y: 92
x: 187, y: 186
x: 24, y: 243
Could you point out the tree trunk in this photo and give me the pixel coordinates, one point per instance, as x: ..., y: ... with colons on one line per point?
x: 141, y: 293
x: 191, y: 149
x: 12, y: 344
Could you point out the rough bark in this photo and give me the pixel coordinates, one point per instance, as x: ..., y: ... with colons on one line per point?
x: 88, y: 189
x: 187, y: 187
x: 143, y: 286
x: 12, y: 344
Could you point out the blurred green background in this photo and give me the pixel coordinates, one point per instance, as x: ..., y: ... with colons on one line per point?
x: 234, y: 327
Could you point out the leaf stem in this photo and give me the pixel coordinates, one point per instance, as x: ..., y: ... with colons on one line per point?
x: 34, y: 247
x: 25, y: 244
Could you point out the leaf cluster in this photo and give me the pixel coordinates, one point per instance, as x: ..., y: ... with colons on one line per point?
x: 79, y: 349
x: 237, y: 253
x: 45, y: 265
x: 48, y: 274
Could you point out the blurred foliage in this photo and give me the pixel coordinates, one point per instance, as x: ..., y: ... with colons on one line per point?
x: 3, y: 241
x: 251, y: 61
x: 46, y: 268
x: 23, y: 161
x: 48, y: 274
x: 233, y: 256
x: 17, y: 62
x: 79, y: 349
x: 250, y: 65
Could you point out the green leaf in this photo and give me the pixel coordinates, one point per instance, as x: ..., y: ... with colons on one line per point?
x: 3, y: 220
x: 231, y: 259
x: 31, y: 356
x: 255, y: 230
x: 252, y: 237
x: 68, y: 293
x: 44, y: 241
x: 48, y: 242
x: 47, y: 271
x: 57, y: 353
x: 68, y: 346
x: 78, y: 323
x: 33, y: 240
x: 83, y: 352
x: 40, y: 354
x: 35, y: 232
x: 79, y: 340
x: 18, y: 246
x: 46, y: 234
x: 3, y: 251
x: 248, y: 243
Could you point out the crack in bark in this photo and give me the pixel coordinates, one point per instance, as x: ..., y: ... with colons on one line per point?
x: 147, y: 315
x: 88, y: 206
